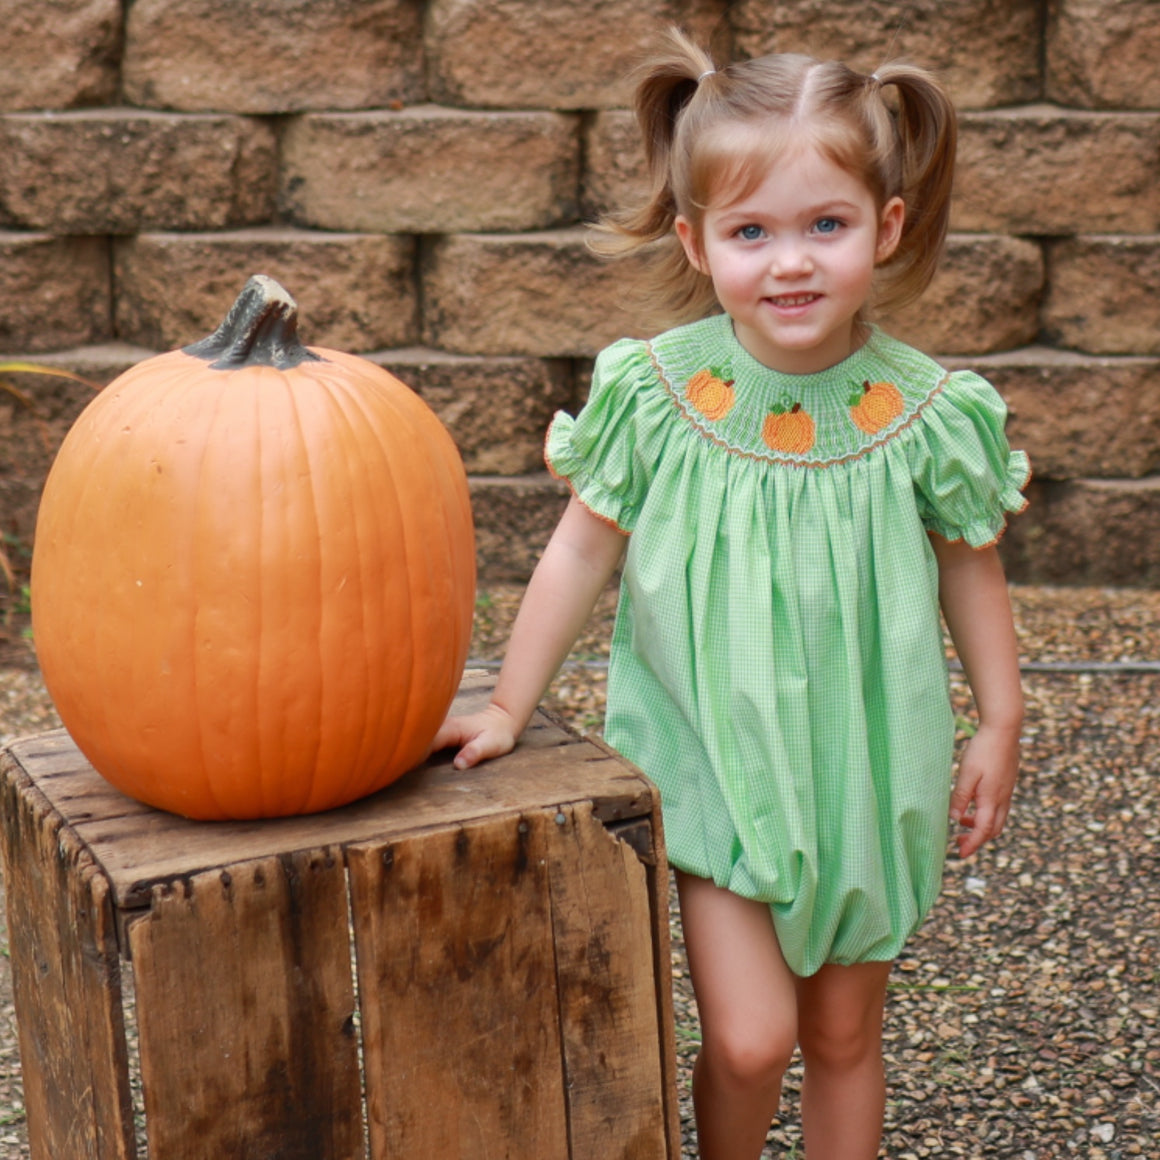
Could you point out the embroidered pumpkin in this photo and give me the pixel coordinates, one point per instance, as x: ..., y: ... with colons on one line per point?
x: 788, y: 428
x: 253, y: 574
x: 875, y: 405
x: 710, y: 394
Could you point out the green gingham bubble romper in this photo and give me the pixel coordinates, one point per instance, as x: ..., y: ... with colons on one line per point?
x: 777, y: 662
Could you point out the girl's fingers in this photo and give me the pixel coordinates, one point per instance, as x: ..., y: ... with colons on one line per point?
x: 448, y: 735
x: 985, y: 823
x: 965, y: 791
x: 467, y: 756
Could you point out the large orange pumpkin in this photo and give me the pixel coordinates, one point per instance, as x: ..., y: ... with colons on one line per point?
x: 254, y: 573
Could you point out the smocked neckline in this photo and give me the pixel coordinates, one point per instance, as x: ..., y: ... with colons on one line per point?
x: 829, y: 416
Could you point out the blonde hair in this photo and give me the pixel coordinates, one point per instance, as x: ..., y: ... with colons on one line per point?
x: 710, y: 133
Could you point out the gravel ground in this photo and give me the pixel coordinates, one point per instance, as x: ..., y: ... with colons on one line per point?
x: 1022, y: 1022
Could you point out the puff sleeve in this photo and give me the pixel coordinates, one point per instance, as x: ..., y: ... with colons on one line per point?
x: 966, y: 476
x: 606, y: 452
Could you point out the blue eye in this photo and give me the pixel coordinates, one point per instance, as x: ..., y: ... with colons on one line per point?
x: 750, y: 233
x: 827, y: 225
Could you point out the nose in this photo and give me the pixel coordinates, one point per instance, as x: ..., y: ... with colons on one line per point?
x: 790, y: 259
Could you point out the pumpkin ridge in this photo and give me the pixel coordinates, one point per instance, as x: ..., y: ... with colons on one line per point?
x: 371, y: 462
x: 359, y: 422
x: 410, y: 545
x: 208, y: 784
x: 270, y: 789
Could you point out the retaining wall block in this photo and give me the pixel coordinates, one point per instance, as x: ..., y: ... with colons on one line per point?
x: 1078, y: 415
x: 497, y: 409
x: 118, y: 171
x: 31, y: 428
x: 1103, y: 294
x: 514, y: 518
x: 985, y: 297
x: 431, y: 170
x: 614, y: 172
x: 1086, y: 531
x: 1046, y: 171
x: 542, y: 294
x: 355, y: 292
x: 985, y: 51
x: 55, y: 291
x: 60, y: 53
x: 1102, y: 54
x: 552, y: 54
x: 273, y: 56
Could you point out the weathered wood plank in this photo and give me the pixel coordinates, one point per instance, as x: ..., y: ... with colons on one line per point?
x: 140, y: 849
x: 245, y: 1005
x: 51, y: 755
x: 607, y: 977
x: 657, y: 870
x: 457, y: 987
x: 67, y: 984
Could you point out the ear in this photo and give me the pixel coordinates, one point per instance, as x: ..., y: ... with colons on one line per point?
x: 690, y: 242
x: 890, y: 229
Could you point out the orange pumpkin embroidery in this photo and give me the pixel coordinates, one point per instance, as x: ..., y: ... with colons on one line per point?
x: 710, y: 394
x: 789, y: 428
x: 875, y: 405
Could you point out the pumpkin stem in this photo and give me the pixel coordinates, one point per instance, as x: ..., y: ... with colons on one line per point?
x: 261, y: 328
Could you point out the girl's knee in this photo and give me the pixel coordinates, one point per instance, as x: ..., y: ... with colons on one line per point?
x: 840, y: 1046
x: 748, y: 1056
x: 840, y: 1012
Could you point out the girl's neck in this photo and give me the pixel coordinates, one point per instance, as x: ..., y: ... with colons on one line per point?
x: 791, y: 362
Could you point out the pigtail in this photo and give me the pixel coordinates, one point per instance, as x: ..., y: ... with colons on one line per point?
x: 674, y: 291
x: 926, y: 130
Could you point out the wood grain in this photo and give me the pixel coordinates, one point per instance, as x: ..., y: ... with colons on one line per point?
x: 66, y: 980
x: 601, y: 919
x: 139, y: 847
x: 245, y: 1005
x: 458, y: 992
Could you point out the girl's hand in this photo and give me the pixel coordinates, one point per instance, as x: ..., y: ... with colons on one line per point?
x: 481, y: 736
x: 982, y: 795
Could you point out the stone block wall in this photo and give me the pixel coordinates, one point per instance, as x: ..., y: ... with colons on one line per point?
x: 418, y: 175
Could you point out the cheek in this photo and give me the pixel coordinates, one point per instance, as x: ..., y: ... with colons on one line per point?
x: 731, y: 278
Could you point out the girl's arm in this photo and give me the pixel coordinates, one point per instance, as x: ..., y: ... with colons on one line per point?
x: 975, y: 603
x: 576, y: 565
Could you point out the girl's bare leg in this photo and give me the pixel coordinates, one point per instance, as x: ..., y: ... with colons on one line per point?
x: 840, y: 1013
x: 746, y: 999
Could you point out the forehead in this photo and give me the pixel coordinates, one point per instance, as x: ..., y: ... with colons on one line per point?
x: 794, y: 169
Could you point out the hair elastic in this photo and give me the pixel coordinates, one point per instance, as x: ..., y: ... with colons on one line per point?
x: 709, y: 72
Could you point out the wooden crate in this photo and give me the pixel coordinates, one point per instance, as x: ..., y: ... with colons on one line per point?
x: 464, y: 965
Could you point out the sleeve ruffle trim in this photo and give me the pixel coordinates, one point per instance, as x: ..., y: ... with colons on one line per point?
x: 986, y: 531
x: 564, y: 463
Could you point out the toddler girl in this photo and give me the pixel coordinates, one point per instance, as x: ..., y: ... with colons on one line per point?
x: 793, y: 494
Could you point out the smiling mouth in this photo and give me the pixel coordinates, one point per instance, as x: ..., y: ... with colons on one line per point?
x: 789, y: 300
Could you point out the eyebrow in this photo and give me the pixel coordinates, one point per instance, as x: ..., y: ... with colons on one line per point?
x: 839, y: 205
